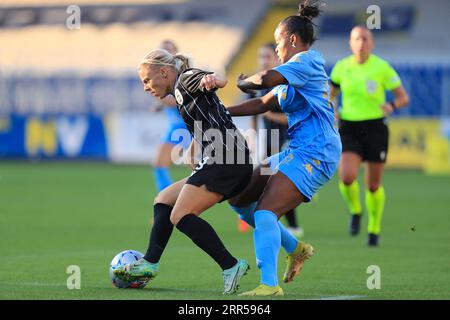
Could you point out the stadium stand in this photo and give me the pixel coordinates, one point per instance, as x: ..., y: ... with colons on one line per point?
x: 419, y: 53
x: 115, y: 36
x: 47, y: 69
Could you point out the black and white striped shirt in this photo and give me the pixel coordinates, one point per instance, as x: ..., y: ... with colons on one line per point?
x: 206, y: 118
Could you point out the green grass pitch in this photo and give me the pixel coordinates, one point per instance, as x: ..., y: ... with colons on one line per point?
x: 53, y: 215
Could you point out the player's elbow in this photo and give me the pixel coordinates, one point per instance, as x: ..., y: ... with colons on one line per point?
x: 223, y: 83
x: 220, y: 80
x: 271, y: 78
x: 266, y: 79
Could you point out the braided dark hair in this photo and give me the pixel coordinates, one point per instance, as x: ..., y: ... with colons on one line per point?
x: 301, y: 24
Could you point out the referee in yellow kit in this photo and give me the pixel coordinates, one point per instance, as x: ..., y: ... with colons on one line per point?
x: 363, y: 79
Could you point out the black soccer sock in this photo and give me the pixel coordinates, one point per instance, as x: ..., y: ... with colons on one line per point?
x: 204, y: 236
x: 291, y: 218
x: 160, y: 234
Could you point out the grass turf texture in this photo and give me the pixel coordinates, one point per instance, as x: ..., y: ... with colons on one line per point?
x: 53, y: 215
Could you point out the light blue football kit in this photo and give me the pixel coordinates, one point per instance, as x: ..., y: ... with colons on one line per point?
x: 315, y: 146
x: 175, y: 123
x: 309, y: 162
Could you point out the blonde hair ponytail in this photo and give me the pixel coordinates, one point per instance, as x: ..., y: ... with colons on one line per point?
x: 182, y: 62
x: 161, y: 57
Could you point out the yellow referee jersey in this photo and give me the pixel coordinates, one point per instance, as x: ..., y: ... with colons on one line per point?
x: 363, y: 86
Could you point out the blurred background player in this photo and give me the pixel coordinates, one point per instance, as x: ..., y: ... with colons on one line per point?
x: 363, y: 79
x: 274, y: 121
x: 170, y: 140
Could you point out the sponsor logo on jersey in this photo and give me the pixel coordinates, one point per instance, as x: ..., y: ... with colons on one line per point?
x: 371, y: 86
x: 178, y: 96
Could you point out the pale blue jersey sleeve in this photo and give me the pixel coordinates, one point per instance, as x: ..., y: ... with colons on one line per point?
x: 275, y: 91
x: 296, y: 71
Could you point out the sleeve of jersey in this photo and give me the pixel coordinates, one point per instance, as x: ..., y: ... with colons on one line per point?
x: 275, y: 91
x: 391, y: 79
x: 191, y: 80
x: 296, y: 73
x: 275, y: 107
x: 335, y: 75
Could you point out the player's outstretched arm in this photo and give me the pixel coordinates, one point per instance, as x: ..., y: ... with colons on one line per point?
x: 213, y: 81
x: 277, y: 117
x: 255, y: 106
x: 261, y: 80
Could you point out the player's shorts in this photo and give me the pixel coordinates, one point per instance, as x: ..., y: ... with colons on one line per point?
x: 177, y: 133
x: 306, y: 173
x: 369, y: 139
x: 226, y: 179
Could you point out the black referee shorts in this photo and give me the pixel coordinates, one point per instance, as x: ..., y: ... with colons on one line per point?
x: 225, y: 179
x: 369, y: 139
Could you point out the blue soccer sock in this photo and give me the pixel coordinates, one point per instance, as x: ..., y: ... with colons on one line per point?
x: 246, y: 213
x: 162, y: 177
x: 288, y: 240
x: 267, y: 238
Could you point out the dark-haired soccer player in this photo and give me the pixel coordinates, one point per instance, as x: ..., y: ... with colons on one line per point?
x: 276, y: 124
x: 302, y: 93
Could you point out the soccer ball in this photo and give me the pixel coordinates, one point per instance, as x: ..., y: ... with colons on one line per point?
x: 123, y: 258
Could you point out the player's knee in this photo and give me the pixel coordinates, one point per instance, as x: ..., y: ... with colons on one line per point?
x: 160, y: 163
x: 174, y: 218
x: 348, y: 179
x: 373, y: 186
x: 157, y: 162
x: 162, y: 197
x: 157, y: 199
x: 239, y: 202
x: 234, y: 202
x: 268, y: 207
